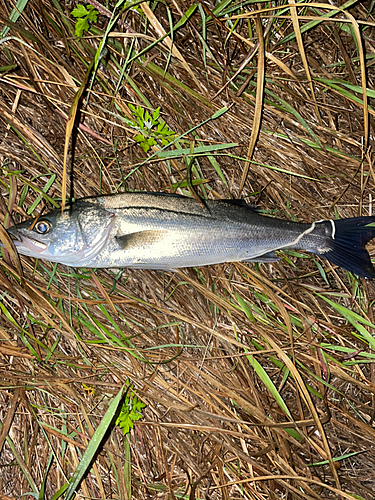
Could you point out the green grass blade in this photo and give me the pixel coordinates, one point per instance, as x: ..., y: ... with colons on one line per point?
x: 127, y: 466
x: 314, y: 23
x: 39, y: 198
x: 259, y: 370
x: 92, y: 448
x: 14, y: 15
x: 336, y: 459
x: 262, y: 374
x: 197, y: 150
x: 22, y: 465
x: 354, y: 319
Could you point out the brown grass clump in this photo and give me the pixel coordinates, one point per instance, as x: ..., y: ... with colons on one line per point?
x: 258, y: 380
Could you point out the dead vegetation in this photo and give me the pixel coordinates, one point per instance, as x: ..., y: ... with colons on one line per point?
x: 258, y: 379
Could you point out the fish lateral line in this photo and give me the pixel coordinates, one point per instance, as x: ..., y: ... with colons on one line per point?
x: 158, y: 209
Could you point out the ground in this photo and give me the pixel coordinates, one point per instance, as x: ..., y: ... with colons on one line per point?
x: 257, y: 379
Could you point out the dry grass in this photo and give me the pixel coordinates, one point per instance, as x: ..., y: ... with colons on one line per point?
x: 259, y: 380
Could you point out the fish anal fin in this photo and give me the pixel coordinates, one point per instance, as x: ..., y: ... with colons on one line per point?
x: 266, y: 257
x: 139, y: 239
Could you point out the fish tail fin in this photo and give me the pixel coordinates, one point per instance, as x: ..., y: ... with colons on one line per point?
x: 347, y: 245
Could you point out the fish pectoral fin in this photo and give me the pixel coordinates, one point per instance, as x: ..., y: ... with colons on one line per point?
x: 140, y: 239
x: 266, y: 257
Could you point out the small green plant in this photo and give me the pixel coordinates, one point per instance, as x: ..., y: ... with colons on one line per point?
x: 151, y: 128
x: 131, y: 410
x: 84, y: 15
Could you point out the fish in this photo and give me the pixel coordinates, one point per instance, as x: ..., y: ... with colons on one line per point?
x: 169, y: 231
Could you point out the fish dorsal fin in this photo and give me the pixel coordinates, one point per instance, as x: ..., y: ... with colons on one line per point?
x: 171, y: 195
x: 239, y: 203
x: 140, y: 239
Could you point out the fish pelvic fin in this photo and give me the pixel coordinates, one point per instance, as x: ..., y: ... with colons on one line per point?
x: 346, y: 247
x: 266, y: 257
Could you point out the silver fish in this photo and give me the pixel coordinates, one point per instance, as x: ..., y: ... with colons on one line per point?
x: 165, y: 232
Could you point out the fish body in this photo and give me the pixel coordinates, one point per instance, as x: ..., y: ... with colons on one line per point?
x: 164, y: 232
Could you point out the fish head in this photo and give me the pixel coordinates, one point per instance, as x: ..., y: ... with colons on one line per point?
x: 72, y: 237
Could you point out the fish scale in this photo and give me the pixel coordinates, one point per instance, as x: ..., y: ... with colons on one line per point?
x: 159, y: 231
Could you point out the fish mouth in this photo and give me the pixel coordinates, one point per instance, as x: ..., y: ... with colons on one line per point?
x: 15, y: 236
x: 27, y: 244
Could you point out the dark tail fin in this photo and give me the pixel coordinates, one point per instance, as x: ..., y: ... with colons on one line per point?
x: 347, y: 248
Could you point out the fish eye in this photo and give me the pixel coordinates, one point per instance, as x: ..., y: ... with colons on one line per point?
x: 42, y: 226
